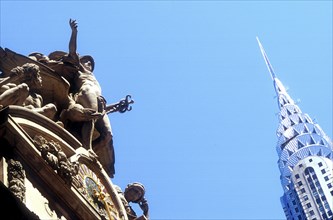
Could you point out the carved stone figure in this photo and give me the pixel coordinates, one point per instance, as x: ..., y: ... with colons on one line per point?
x: 86, y: 106
x: 20, y: 89
x: 71, y: 91
x: 89, y: 95
x: 134, y: 193
x: 62, y: 87
x: 54, y: 88
x: 14, y: 89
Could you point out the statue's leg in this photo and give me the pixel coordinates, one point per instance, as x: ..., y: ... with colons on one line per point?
x: 87, y: 134
x: 103, y: 145
x: 103, y: 126
x: 49, y: 110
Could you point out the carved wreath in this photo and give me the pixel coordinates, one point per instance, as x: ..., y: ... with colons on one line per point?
x: 56, y: 158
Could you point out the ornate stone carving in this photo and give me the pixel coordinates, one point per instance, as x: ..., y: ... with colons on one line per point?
x: 19, y: 88
x: 72, y: 93
x: 16, y: 176
x: 62, y: 87
x: 56, y: 158
x: 86, y: 113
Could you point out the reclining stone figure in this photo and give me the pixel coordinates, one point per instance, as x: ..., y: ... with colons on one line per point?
x: 19, y: 89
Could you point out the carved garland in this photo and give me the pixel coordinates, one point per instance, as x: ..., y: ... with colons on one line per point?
x: 16, y: 176
x: 56, y: 158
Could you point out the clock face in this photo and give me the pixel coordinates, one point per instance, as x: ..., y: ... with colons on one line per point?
x: 94, y: 191
x: 91, y: 187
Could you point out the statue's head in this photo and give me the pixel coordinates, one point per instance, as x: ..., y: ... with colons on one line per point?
x: 134, y: 192
x: 30, y: 73
x: 34, y: 80
x: 88, y: 62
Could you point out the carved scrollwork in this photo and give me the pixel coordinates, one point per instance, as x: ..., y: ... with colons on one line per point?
x: 16, y: 176
x: 56, y: 158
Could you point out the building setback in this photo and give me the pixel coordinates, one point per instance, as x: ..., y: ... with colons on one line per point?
x: 305, y: 159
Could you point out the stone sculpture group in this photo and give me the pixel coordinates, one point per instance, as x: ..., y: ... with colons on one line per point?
x: 62, y: 87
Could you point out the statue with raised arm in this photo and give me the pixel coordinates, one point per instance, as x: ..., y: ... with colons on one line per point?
x: 86, y: 92
x: 87, y: 108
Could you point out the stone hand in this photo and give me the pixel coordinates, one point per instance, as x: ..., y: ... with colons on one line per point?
x: 73, y: 25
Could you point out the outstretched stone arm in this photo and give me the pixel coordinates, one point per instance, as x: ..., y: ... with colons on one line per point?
x: 73, y: 41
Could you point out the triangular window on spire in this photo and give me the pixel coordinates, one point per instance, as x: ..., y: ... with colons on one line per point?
x: 320, y: 153
x: 322, y: 142
x: 281, y: 100
x: 296, y: 133
x: 314, y: 130
x: 310, y: 153
x: 290, y: 152
x: 306, y: 130
x: 307, y: 118
x: 300, y: 144
x: 312, y: 141
x: 330, y: 156
x: 300, y: 119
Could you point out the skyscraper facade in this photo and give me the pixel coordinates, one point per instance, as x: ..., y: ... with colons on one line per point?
x: 305, y: 159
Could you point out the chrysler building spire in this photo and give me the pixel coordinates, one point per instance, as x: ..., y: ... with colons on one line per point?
x: 305, y: 159
x: 281, y: 92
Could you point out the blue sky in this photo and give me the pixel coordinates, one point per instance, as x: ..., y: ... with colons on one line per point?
x: 201, y: 135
